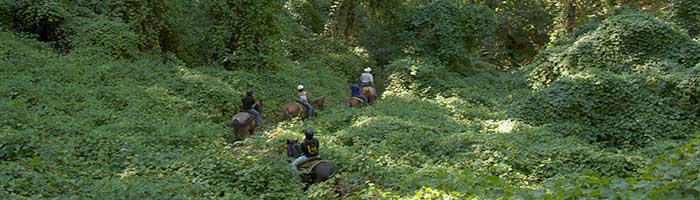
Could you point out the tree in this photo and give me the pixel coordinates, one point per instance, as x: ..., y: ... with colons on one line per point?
x: 570, y: 17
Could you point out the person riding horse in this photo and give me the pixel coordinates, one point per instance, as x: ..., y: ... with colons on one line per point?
x: 307, y: 158
x: 309, y: 148
x: 368, y: 80
x: 305, y: 101
x: 252, y: 106
x: 355, y: 92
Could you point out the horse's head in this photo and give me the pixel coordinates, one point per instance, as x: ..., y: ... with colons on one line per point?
x: 292, y: 149
x: 320, y: 103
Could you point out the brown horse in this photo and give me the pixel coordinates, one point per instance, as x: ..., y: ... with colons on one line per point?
x: 320, y: 171
x: 368, y: 92
x: 355, y: 102
x: 243, y: 123
x: 296, y: 109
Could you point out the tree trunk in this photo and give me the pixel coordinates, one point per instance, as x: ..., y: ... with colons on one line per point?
x: 349, y: 18
x: 571, y: 17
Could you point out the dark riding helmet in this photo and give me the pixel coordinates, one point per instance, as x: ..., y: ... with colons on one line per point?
x: 249, y: 92
x: 309, y: 133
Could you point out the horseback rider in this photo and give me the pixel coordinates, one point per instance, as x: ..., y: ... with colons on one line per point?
x: 252, y: 106
x: 309, y: 148
x: 355, y: 92
x: 305, y: 101
x: 368, y: 80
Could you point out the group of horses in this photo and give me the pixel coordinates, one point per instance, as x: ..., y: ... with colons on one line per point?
x: 243, y: 125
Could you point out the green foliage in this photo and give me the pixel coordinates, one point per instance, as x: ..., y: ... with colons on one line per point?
x: 106, y: 36
x: 45, y: 19
x: 82, y: 126
x: 607, y: 110
x: 251, y: 32
x: 313, y: 14
x: 122, y: 117
x: 21, y: 52
x: 382, y: 31
x: 626, y: 43
x: 619, y: 84
x: 673, y: 175
x: 449, y: 31
x: 686, y: 14
x: 146, y: 19
x: 522, y: 28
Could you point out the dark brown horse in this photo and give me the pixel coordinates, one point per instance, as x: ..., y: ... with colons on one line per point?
x: 319, y: 173
x: 368, y: 92
x: 243, y: 123
x: 355, y: 102
x: 296, y: 109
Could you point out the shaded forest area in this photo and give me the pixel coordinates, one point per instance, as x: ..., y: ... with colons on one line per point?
x: 481, y: 99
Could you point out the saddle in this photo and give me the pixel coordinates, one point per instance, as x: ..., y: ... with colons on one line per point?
x: 359, y: 99
x: 301, y: 106
x: 242, y: 118
x: 308, y: 166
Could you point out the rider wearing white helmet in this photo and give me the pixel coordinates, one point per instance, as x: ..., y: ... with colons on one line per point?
x: 368, y: 80
x: 305, y: 101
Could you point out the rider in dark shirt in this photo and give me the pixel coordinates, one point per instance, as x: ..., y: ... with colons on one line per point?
x: 309, y: 148
x: 355, y: 92
x: 251, y: 105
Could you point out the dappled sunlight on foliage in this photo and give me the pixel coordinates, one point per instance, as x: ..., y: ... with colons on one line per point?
x: 133, y: 99
x: 617, y: 86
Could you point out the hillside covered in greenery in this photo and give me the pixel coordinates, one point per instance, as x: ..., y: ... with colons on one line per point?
x: 530, y: 99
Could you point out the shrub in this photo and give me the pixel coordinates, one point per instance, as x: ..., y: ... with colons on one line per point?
x: 105, y: 36
x: 626, y: 81
x: 686, y: 14
x: 46, y: 19
x: 630, y: 42
x: 615, y: 111
x: 449, y: 32
x: 313, y: 14
x: 145, y: 19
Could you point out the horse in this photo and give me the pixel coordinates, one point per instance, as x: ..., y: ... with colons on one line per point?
x: 243, y: 123
x: 355, y: 102
x: 296, y: 109
x: 368, y: 92
x: 319, y: 172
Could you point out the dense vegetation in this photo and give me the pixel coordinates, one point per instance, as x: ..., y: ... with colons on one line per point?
x: 480, y: 99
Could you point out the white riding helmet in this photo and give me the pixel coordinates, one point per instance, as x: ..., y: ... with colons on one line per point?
x: 300, y: 87
x: 368, y: 69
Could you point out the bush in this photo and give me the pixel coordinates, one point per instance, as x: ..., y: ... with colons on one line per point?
x: 449, y: 32
x: 17, y: 52
x: 146, y: 19
x: 630, y: 42
x: 105, y: 36
x: 44, y: 18
x: 686, y: 14
x: 313, y: 14
x: 613, y: 111
x: 625, y: 81
x: 672, y: 175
